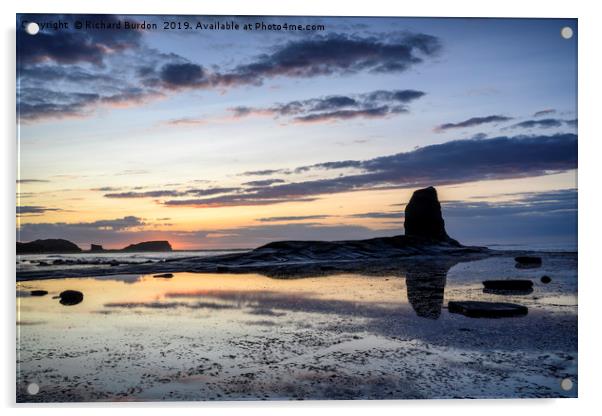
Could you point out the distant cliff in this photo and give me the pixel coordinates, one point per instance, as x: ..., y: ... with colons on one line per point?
x: 47, y: 246
x: 149, y: 246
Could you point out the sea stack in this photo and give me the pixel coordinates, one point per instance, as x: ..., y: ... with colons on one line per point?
x: 96, y: 248
x: 423, y: 216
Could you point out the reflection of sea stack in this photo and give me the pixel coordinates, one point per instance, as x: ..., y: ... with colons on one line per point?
x: 425, y: 284
x: 423, y: 216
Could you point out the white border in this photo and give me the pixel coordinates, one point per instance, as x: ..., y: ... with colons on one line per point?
x: 590, y: 202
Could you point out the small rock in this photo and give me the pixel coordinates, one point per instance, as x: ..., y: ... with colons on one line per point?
x: 510, y: 286
x: 71, y: 297
x: 474, y: 309
x: 38, y: 292
x: 545, y: 279
x: 164, y: 275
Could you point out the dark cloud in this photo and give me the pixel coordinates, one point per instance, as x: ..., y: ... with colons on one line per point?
x: 34, y: 104
x: 170, y: 193
x: 148, y: 194
x: 293, y: 218
x: 453, y: 162
x: 71, y: 46
x: 471, y: 122
x: 32, y: 181
x: 544, y: 123
x: 264, y: 172
x: 264, y: 182
x: 34, y: 210
x: 545, y: 112
x: 115, y: 225
x: 106, y: 189
x: 183, y: 75
x: 335, y: 54
x: 377, y: 112
x: 235, y: 201
x: 212, y: 191
x: 97, y: 68
x: 376, y: 104
x: 379, y: 215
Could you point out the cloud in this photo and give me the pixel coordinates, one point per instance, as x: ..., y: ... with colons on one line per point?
x: 452, y: 162
x: 335, y: 54
x: 170, y: 193
x: 379, y: 215
x: 545, y: 112
x: 21, y: 181
x: 235, y: 201
x: 183, y: 75
x: 114, y: 68
x: 148, y: 194
x: 264, y: 182
x: 264, y: 172
x: 35, y: 104
x: 70, y: 46
x: 293, y: 218
x: 34, y: 210
x: 545, y: 123
x: 471, y: 122
x: 376, y: 104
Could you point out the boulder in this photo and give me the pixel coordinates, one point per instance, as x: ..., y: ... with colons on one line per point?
x: 528, y: 262
x: 475, y: 309
x: 70, y: 297
x: 423, y: 216
x: 38, y: 292
x: 545, y: 279
x: 164, y: 275
x: 509, y: 287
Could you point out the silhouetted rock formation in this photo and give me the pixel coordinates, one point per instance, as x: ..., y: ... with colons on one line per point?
x: 423, y: 216
x: 96, y: 248
x: 47, y: 246
x: 149, y: 246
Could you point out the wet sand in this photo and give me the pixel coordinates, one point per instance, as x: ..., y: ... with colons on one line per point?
x: 251, y: 337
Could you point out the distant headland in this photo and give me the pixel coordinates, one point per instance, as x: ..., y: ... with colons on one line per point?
x: 57, y: 245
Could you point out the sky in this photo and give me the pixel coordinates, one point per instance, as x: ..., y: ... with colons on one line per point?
x: 234, y: 138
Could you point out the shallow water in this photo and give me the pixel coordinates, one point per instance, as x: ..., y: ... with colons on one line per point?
x: 247, y: 336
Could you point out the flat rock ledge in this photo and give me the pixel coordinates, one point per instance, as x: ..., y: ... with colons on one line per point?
x: 475, y: 309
